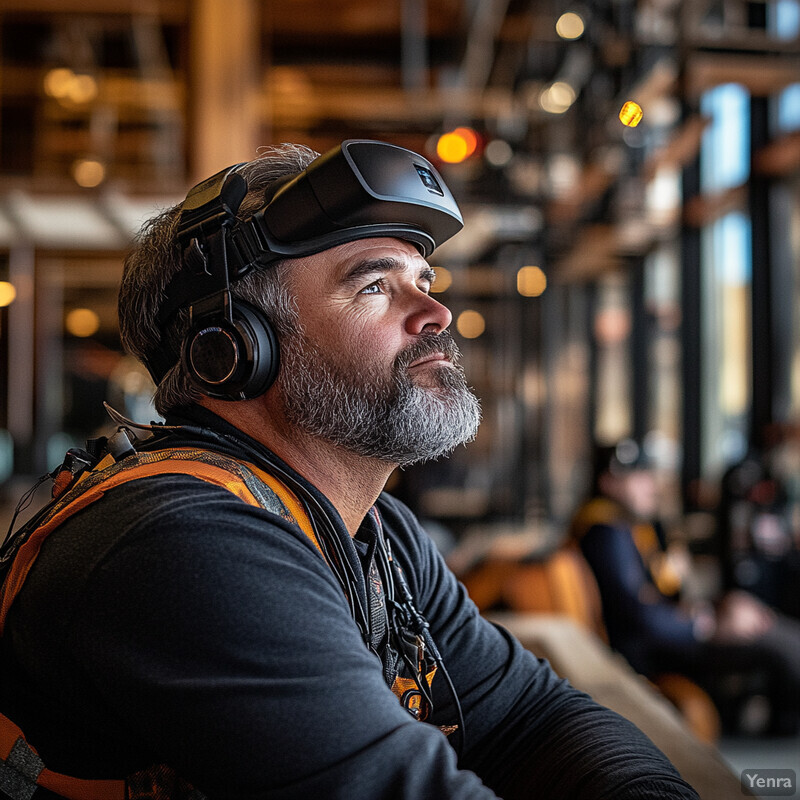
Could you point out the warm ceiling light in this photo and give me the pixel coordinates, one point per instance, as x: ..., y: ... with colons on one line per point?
x: 88, y: 172
x: 631, y: 114
x: 82, y: 89
x: 470, y: 138
x: 70, y: 88
x: 8, y: 293
x: 457, y: 145
x: 82, y: 322
x: 444, y: 279
x: 531, y: 281
x: 570, y: 26
x: 470, y: 324
x: 57, y: 81
x: 557, y: 97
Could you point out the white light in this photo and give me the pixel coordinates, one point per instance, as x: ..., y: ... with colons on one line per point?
x: 498, y: 152
x: 570, y: 26
x: 557, y: 97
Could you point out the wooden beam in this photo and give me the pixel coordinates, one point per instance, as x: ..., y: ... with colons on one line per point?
x: 682, y: 147
x: 761, y: 75
x: 779, y: 158
x: 224, y: 127
x: 703, y: 209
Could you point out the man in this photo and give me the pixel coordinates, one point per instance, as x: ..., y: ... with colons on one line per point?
x: 641, y: 579
x: 313, y: 643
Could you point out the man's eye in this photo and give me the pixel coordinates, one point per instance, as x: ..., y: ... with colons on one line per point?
x: 373, y: 288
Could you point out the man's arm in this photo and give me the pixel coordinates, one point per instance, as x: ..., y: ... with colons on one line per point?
x: 528, y: 732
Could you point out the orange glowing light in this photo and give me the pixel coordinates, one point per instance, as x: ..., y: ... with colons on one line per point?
x: 457, y: 145
x: 631, y: 114
x: 470, y: 138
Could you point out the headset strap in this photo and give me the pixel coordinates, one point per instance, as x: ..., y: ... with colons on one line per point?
x: 249, y: 483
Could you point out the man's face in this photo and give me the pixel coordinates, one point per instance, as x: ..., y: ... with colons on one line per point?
x: 371, y: 367
x: 638, y: 492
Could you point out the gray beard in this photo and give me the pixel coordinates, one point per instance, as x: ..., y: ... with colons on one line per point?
x: 380, y: 416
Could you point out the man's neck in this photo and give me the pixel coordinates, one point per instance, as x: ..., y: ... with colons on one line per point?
x: 351, y: 482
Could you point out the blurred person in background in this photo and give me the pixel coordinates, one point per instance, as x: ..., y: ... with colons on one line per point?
x: 641, y: 580
x: 758, y: 521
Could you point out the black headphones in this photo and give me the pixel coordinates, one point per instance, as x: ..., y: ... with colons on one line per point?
x: 356, y: 191
x: 231, y: 356
x: 230, y: 350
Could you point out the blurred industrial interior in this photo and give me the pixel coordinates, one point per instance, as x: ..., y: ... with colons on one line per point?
x: 613, y: 280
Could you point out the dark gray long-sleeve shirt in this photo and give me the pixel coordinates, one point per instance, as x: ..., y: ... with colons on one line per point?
x: 171, y: 622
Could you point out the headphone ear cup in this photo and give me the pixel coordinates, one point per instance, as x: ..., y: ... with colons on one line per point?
x: 262, y: 346
x: 236, y: 361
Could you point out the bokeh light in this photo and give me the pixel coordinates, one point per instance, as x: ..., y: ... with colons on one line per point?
x: 82, y: 322
x: 457, y: 145
x: 531, y: 281
x: 557, y: 97
x: 470, y: 324
x: 444, y: 279
x: 570, y: 26
x: 88, y: 172
x: 631, y: 114
x: 8, y: 293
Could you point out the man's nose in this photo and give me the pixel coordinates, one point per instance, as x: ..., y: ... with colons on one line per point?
x: 428, y: 315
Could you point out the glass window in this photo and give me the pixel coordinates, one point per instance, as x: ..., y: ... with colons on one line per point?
x: 726, y: 331
x: 783, y: 19
x: 662, y: 303
x: 789, y: 109
x: 725, y: 150
x: 612, y: 329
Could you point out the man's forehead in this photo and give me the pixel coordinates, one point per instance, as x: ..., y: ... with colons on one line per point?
x: 337, y: 263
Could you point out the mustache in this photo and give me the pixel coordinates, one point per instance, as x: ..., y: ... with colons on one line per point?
x: 426, y: 345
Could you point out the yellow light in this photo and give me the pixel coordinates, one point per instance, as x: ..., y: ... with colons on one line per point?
x: 457, y: 145
x: 631, y: 114
x: 57, y: 81
x: 470, y: 324
x: 82, y: 322
x: 82, y: 89
x: 8, y: 293
x: 69, y: 88
x: 531, y: 281
x: 570, y: 26
x: 88, y: 172
x: 444, y: 279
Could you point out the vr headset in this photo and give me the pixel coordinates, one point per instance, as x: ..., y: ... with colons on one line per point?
x: 358, y: 190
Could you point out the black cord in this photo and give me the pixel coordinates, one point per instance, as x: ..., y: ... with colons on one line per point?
x: 420, y: 626
x: 327, y: 536
x: 23, y: 503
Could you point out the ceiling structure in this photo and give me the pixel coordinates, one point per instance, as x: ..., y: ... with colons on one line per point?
x: 172, y: 88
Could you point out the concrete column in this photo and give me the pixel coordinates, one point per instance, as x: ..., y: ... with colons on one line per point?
x: 223, y: 85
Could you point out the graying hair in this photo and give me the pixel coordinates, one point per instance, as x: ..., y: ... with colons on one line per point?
x: 156, y: 257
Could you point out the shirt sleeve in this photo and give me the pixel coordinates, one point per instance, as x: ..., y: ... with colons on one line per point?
x: 215, y: 633
x: 630, y: 601
x: 528, y: 733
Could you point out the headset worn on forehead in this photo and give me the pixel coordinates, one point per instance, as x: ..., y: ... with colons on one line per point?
x: 358, y: 190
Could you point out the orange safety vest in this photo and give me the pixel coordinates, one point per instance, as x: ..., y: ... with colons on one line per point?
x: 22, y: 771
